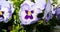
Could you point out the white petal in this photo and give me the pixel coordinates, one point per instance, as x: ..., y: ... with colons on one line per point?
x: 40, y: 4
x: 11, y: 6
x: 24, y: 7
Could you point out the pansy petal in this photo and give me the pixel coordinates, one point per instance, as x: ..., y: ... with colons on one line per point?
x: 1, y: 19
x: 25, y: 7
x: 54, y: 10
x: 48, y: 11
x: 11, y: 7
x: 58, y: 12
x: 6, y: 20
x: 49, y: 16
x: 40, y: 4
x: 49, y: 6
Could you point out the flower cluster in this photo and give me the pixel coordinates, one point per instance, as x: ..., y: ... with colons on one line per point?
x: 29, y: 11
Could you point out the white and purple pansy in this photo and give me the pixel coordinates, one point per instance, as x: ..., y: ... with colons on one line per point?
x: 6, y: 10
x: 48, y: 11
x: 28, y: 13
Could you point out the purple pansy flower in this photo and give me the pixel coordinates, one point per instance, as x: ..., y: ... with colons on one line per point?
x: 6, y: 10
x: 48, y: 11
x: 28, y: 12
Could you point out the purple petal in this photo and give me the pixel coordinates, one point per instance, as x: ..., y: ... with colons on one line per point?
x: 47, y: 12
x: 58, y: 11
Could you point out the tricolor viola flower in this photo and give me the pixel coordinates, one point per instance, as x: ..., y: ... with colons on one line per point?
x: 48, y: 11
x: 28, y: 13
x: 6, y: 10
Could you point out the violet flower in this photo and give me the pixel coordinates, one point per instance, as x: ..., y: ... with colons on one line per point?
x: 28, y: 13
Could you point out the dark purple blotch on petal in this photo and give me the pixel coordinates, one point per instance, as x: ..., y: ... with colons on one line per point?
x: 26, y: 17
x: 2, y: 12
x: 31, y: 17
x: 32, y: 11
x: 2, y: 16
x: 26, y: 11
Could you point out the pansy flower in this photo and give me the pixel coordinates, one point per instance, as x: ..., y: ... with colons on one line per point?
x: 28, y: 13
x: 48, y: 11
x: 6, y: 10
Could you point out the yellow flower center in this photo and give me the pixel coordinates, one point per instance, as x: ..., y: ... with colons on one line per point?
x: 29, y: 13
x: 0, y: 12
